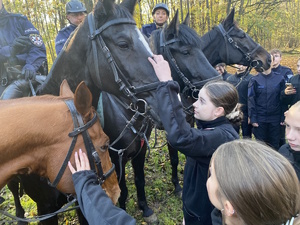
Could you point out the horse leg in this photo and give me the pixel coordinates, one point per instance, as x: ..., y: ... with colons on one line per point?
x: 122, y: 184
x: 174, y: 163
x: 139, y: 178
x: 13, y: 186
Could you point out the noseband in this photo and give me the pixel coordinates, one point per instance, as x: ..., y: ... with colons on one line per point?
x: 81, y: 128
x: 124, y: 85
x: 194, y: 87
x: 229, y: 39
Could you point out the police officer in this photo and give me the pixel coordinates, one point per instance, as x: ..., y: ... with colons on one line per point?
x: 160, y: 15
x: 76, y: 12
x: 20, y: 44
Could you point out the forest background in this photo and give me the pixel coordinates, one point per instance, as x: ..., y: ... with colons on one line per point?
x: 272, y: 23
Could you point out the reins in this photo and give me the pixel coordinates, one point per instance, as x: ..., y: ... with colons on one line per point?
x: 129, y: 126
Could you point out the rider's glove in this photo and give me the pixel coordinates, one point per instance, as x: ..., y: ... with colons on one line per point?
x: 19, y: 45
x: 29, y: 72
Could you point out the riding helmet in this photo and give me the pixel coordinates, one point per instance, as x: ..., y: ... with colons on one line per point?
x: 75, y: 6
x: 161, y: 6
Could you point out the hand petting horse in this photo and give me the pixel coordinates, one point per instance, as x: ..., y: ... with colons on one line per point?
x: 39, y: 135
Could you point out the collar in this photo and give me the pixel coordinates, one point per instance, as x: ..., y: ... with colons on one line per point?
x: 296, y: 155
x: 211, y: 124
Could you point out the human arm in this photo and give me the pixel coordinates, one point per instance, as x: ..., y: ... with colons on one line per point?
x: 96, y: 206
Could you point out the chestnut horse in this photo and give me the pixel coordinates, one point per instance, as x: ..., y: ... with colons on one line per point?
x: 38, y: 136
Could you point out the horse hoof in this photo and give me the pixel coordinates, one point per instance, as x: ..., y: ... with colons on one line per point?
x: 178, y: 194
x: 1, y: 200
x: 151, y: 220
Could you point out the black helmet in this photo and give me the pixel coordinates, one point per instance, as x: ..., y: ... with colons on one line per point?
x: 161, y: 6
x: 74, y: 6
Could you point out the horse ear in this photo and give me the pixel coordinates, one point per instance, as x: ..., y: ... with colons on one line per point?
x: 83, y: 99
x: 187, y: 19
x: 129, y: 4
x: 229, y: 19
x: 65, y: 89
x: 173, y: 27
x: 104, y: 7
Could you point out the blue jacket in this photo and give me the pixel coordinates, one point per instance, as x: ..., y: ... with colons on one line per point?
x: 13, y: 26
x: 284, y: 71
x: 289, y: 100
x: 292, y: 156
x: 197, y: 144
x: 264, y: 104
x: 62, y: 37
x: 95, y: 205
x: 240, y: 81
x: 148, y: 29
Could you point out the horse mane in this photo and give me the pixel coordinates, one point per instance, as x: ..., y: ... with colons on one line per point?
x: 186, y: 35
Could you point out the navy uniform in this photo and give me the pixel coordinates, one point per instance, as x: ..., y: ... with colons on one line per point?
x: 62, y: 37
x: 241, y: 81
x: 293, y: 156
x: 264, y: 107
x: 148, y: 29
x: 31, y: 57
x: 95, y: 205
x: 198, y: 145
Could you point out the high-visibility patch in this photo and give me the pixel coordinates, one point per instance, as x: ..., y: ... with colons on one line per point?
x: 36, y: 39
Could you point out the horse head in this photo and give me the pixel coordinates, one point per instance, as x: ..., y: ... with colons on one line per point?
x: 230, y: 44
x: 180, y: 46
x: 110, y: 54
x: 94, y: 141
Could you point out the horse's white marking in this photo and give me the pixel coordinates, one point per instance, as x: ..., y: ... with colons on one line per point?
x: 142, y: 39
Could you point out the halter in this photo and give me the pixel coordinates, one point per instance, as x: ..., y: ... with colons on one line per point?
x: 96, y: 38
x: 194, y: 87
x: 247, y: 55
x: 81, y: 128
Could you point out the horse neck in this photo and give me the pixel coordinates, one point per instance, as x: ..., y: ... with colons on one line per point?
x: 210, y: 42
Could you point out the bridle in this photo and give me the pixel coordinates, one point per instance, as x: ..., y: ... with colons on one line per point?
x: 188, y: 85
x: 247, y: 55
x: 124, y: 84
x: 81, y: 128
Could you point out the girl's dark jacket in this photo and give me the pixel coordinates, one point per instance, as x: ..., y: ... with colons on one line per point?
x: 293, y: 156
x: 197, y: 144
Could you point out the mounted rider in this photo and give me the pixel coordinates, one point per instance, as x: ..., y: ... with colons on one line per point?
x: 76, y: 13
x: 21, y: 49
x: 160, y: 15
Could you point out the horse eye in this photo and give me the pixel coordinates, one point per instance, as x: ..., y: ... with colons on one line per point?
x: 123, y: 45
x: 103, y: 148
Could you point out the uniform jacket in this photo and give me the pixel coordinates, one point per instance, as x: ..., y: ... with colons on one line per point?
x: 62, y: 37
x: 197, y: 144
x: 292, y: 156
x: 225, y: 75
x: 284, y: 71
x: 95, y: 205
x: 148, y: 29
x: 240, y: 81
x: 15, y: 25
x: 264, y: 104
x: 292, y: 99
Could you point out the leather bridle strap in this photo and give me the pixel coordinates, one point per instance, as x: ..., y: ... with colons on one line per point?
x: 229, y: 39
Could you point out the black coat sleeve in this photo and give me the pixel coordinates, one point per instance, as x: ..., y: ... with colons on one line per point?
x: 95, y: 205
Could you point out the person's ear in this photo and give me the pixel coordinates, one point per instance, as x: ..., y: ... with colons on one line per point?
x: 219, y: 111
x: 228, y: 208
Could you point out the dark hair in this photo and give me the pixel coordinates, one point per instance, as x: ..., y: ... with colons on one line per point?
x: 224, y: 94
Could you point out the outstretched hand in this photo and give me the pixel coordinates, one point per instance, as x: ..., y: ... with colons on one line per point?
x: 161, y: 67
x: 82, y: 163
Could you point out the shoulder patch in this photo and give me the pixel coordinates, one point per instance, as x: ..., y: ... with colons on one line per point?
x: 36, y: 39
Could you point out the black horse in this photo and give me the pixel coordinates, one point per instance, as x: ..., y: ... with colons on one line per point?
x: 132, y: 130
x: 224, y: 43
x: 110, y: 54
